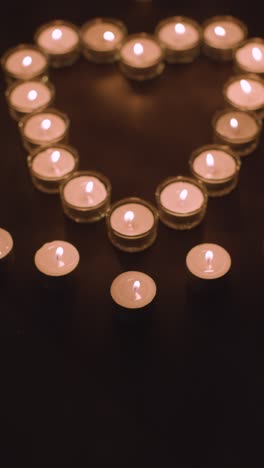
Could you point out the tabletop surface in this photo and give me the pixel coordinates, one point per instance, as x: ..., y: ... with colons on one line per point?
x: 78, y: 387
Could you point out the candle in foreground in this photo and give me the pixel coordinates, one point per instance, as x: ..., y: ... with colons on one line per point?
x: 217, y: 167
x: 24, y: 62
x: 25, y: 97
x: 60, y: 41
x: 133, y: 290
x: 208, y: 261
x: 246, y: 92
x: 101, y: 39
x: 57, y: 258
x: 182, y: 202
x: 132, y: 224
x: 180, y: 38
x: 6, y: 248
x: 85, y: 196
x: 249, y: 57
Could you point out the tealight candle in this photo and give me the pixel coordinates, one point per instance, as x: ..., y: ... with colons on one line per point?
x: 246, y: 92
x: 49, y: 166
x: 24, y: 97
x: 249, y: 57
x: 182, y: 202
x: 133, y: 290
x: 217, y: 167
x: 180, y: 38
x: 141, y: 57
x: 101, y: 39
x: 60, y: 41
x: 24, y: 62
x: 43, y: 128
x: 222, y: 35
x: 237, y: 129
x: 6, y: 249
x: 57, y: 259
x: 85, y: 196
x: 208, y: 261
x: 132, y: 224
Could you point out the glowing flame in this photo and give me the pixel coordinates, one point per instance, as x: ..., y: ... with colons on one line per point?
x: 55, y: 156
x: 183, y: 194
x: 32, y: 95
x: 245, y: 86
x: 257, y: 54
x: 233, y: 123
x: 27, y: 61
x: 209, y: 160
x: 59, y: 252
x: 136, y: 286
x: 129, y: 217
x: 220, y: 31
x: 108, y: 36
x: 179, y: 28
x: 89, y: 187
x: 138, y: 49
x: 56, y: 34
x: 209, y: 256
x: 45, y: 124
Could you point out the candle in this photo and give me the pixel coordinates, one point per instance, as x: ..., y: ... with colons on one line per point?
x: 133, y: 290
x: 180, y: 37
x: 239, y: 130
x: 217, y: 167
x: 141, y: 57
x: 24, y: 97
x: 182, y: 202
x: 6, y: 249
x: 208, y: 261
x: 85, y: 196
x: 50, y: 166
x: 222, y: 35
x: 246, y: 92
x: 57, y: 258
x: 43, y: 128
x: 24, y: 62
x: 101, y: 39
x: 132, y: 224
x: 60, y: 41
x: 249, y: 57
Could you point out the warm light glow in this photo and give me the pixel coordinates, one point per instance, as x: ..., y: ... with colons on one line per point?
x: 138, y: 49
x: 209, y: 160
x: 233, y: 123
x: 129, y: 217
x: 32, y: 95
x: 27, y: 61
x: 245, y: 86
x: 209, y: 257
x: 108, y: 36
x: 136, y: 286
x: 89, y: 187
x: 183, y: 194
x: 55, y: 156
x: 220, y: 31
x: 180, y: 28
x: 59, y: 252
x: 45, y: 124
x: 56, y: 34
x: 257, y: 54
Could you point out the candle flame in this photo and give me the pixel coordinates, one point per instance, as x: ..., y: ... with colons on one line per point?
x: 136, y: 286
x: 27, y: 61
x: 220, y: 31
x: 129, y: 217
x: 209, y: 256
x: 245, y: 86
x: 179, y: 28
x: 138, y: 49
x: 89, y: 187
x: 209, y: 160
x: 183, y: 194
x: 55, y: 156
x: 234, y: 123
x: 32, y: 95
x: 45, y: 124
x: 108, y: 36
x: 59, y: 252
x: 257, y: 54
x: 56, y: 34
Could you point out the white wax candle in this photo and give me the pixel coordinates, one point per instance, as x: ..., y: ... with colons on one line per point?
x: 53, y: 163
x: 251, y: 56
x: 246, y: 92
x: 44, y: 127
x: 133, y: 290
x: 181, y: 198
x: 214, y: 165
x: 179, y: 36
x: 57, y: 258
x: 84, y: 192
x: 57, y: 38
x: 102, y: 36
x: 25, y: 63
x: 132, y: 219
x: 237, y: 126
x: 208, y: 261
x: 6, y: 243
x: 223, y: 34
x: 29, y: 96
x: 141, y: 52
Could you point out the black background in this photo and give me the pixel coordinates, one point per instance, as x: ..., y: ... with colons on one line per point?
x: 77, y: 389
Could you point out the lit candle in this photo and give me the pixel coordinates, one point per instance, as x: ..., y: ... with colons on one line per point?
x: 239, y: 130
x: 101, y: 39
x: 50, y: 166
x: 60, y: 41
x: 246, y: 92
x: 29, y: 96
x: 6, y: 249
x: 181, y: 201
x: 57, y: 258
x: 208, y: 261
x: 217, y: 167
x: 132, y: 224
x: 180, y: 37
x: 249, y: 57
x: 24, y: 62
x: 141, y: 57
x: 85, y: 196
x: 221, y: 36
x: 133, y: 290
